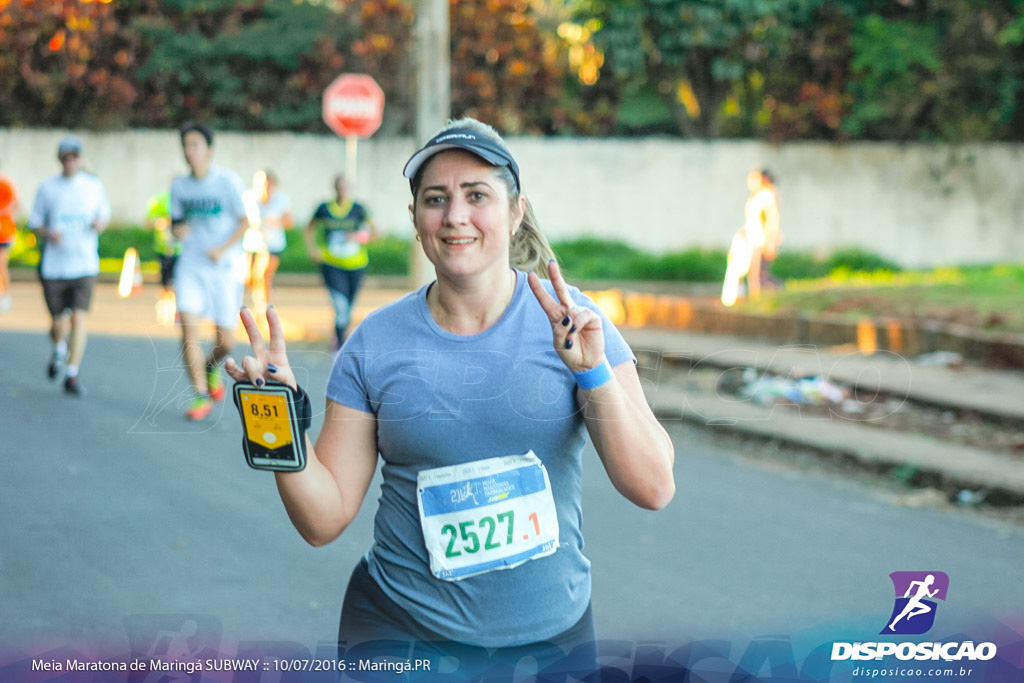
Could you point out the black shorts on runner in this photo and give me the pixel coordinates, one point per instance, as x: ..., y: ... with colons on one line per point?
x: 167, y: 263
x: 62, y: 295
x: 373, y: 626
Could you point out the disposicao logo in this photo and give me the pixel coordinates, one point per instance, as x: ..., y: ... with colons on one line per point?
x: 913, y: 614
x: 916, y: 593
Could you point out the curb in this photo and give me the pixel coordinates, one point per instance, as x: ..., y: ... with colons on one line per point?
x: 984, y: 393
x: 705, y: 316
x: 931, y: 463
x: 916, y: 458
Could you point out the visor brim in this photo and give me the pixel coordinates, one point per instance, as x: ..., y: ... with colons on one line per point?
x: 488, y: 151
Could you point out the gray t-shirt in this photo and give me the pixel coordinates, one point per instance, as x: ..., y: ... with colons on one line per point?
x: 212, y: 206
x: 443, y: 399
x: 70, y: 206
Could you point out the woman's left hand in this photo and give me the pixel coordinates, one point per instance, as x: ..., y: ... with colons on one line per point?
x: 269, y: 359
x: 576, y: 331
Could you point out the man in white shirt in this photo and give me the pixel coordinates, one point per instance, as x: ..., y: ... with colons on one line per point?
x: 208, y: 214
x: 69, y: 213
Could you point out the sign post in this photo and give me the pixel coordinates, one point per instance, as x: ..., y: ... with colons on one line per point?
x: 433, y: 95
x: 353, y: 107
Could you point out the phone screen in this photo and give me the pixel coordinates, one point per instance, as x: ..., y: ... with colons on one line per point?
x: 271, y: 438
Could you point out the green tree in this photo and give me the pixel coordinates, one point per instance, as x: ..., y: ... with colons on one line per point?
x: 1011, y: 36
x: 64, y: 64
x: 896, y: 68
x: 256, y: 65
x: 693, y: 53
x: 505, y: 70
x: 938, y: 70
x: 981, y: 84
x: 263, y: 64
x: 803, y: 92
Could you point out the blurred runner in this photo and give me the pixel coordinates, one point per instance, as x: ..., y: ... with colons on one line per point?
x: 344, y: 228
x: 167, y: 248
x: 208, y: 215
x: 761, y: 226
x: 270, y: 216
x: 69, y: 213
x: 755, y: 245
x: 8, y: 233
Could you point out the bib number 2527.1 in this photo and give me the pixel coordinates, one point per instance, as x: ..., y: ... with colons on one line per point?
x: 487, y: 515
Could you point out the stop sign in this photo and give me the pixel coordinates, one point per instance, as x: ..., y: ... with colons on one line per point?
x: 353, y: 105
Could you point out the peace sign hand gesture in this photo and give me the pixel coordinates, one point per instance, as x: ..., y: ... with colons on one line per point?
x: 577, y: 333
x: 268, y: 361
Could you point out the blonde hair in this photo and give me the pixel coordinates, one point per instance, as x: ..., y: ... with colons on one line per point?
x: 529, y: 250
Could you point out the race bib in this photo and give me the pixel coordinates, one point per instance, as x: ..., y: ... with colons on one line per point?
x: 486, y: 515
x: 340, y: 246
x: 72, y: 225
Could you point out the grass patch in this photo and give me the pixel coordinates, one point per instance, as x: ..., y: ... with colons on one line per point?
x: 590, y: 259
x: 981, y: 297
x: 581, y: 259
x: 595, y: 259
x: 388, y: 255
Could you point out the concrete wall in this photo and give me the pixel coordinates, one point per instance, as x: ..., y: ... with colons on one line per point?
x: 921, y: 205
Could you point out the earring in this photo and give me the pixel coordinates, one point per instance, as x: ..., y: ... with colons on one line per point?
x: 417, y: 237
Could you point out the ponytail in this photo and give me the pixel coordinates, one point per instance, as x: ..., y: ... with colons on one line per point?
x: 529, y: 249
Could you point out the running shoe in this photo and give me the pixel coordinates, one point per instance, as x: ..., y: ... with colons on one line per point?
x: 199, y: 408
x: 73, y: 387
x: 214, y: 383
x: 55, y: 366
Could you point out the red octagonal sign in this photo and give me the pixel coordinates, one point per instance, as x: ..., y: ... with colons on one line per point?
x: 353, y: 105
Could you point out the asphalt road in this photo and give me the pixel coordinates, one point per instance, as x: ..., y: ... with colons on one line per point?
x: 116, y: 511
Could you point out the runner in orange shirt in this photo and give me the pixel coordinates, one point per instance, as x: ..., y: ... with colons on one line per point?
x: 8, y: 231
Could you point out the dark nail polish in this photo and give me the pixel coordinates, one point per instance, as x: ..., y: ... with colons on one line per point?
x: 260, y: 382
x: 271, y: 368
x: 572, y: 329
x: 568, y: 343
x: 565, y: 321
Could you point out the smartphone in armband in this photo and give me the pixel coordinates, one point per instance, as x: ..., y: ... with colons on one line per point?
x: 275, y: 418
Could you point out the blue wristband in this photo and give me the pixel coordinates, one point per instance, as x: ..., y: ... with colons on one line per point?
x: 595, y: 376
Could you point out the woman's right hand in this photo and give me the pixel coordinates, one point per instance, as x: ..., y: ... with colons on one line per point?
x: 268, y: 360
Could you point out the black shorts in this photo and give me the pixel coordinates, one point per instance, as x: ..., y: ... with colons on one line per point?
x: 61, y: 295
x: 167, y: 263
x: 345, y: 282
x: 372, y: 625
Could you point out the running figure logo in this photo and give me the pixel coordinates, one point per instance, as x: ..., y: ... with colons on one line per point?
x: 916, y: 592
